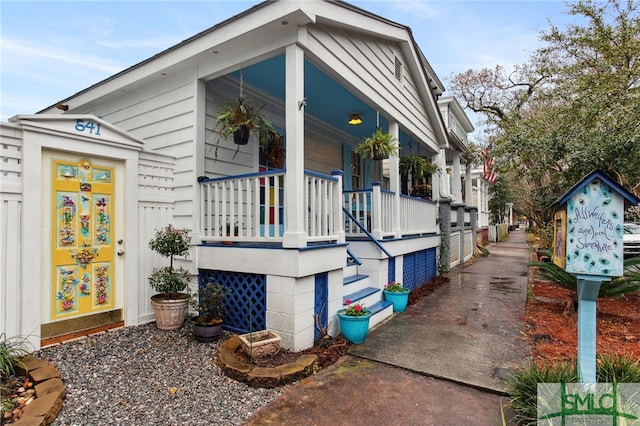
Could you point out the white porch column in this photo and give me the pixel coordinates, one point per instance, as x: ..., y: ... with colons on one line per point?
x: 443, y: 185
x: 34, y: 242
x: 468, y: 187
x: 456, y: 181
x: 485, y: 200
x: 394, y: 181
x: 294, y: 233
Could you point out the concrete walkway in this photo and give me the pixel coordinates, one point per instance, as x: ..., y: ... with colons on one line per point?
x: 440, y: 362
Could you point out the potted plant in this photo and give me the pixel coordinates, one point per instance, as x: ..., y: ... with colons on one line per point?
x: 422, y: 190
x: 275, y: 152
x: 379, y: 146
x: 396, y: 294
x: 236, y: 230
x: 241, y: 118
x: 414, y: 166
x: 170, y: 304
x: 211, y: 308
x: 354, y: 321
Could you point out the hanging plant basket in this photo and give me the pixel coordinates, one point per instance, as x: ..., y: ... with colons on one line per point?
x: 240, y: 119
x: 241, y: 136
x: 378, y: 146
x: 379, y: 153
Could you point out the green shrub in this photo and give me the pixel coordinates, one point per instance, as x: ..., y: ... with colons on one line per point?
x: 545, y: 233
x: 10, y: 352
x: 611, y: 368
x: 550, y: 271
x: 522, y: 385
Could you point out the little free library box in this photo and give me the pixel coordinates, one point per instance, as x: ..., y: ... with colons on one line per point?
x: 588, y: 227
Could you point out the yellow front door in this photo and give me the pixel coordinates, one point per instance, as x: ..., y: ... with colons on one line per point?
x: 82, y: 239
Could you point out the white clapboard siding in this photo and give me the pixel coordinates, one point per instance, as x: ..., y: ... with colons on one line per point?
x: 370, y: 68
x: 162, y: 114
x: 323, y: 148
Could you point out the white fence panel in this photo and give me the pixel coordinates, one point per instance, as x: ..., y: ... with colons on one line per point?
x: 498, y: 232
x: 155, y: 211
x: 10, y: 228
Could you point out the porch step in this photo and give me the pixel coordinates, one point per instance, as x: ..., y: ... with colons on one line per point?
x: 367, y: 296
x: 370, y: 298
x: 358, y: 296
x: 379, y: 312
x: 353, y: 278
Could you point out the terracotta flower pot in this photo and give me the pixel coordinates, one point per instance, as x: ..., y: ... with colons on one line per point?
x: 261, y: 343
x: 169, y: 313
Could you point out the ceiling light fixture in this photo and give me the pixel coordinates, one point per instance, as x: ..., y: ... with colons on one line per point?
x: 354, y: 118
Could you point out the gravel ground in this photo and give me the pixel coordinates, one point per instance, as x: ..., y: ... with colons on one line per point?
x: 144, y: 376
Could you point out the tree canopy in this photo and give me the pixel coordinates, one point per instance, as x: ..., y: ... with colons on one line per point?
x: 573, y: 107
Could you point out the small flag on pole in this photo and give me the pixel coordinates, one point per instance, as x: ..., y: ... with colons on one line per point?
x: 488, y: 169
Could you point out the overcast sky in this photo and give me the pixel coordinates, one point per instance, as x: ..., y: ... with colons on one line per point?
x: 52, y: 49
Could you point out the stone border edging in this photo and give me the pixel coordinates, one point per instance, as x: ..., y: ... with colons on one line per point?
x: 50, y: 392
x: 262, y: 377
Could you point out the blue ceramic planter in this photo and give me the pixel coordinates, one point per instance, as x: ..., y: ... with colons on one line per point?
x: 354, y: 329
x: 399, y: 300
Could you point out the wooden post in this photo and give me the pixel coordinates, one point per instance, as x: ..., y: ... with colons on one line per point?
x: 294, y: 234
x: 588, y: 288
x: 376, y: 212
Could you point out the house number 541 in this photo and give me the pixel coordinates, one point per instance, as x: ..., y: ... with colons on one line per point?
x: 90, y: 126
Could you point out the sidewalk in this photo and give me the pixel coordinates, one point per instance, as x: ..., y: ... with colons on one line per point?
x: 439, y: 362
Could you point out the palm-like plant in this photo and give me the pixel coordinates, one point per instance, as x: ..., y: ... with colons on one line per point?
x: 626, y: 284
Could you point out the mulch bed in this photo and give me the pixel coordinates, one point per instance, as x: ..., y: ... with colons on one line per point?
x: 329, y: 349
x: 552, y: 323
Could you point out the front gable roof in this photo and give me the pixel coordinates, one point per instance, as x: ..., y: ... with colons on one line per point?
x: 262, y: 15
x: 281, y: 23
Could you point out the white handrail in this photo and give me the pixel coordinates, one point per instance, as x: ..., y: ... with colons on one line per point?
x: 243, y: 208
x: 251, y: 207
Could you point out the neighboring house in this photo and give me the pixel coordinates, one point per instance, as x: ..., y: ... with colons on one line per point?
x: 455, y: 187
x: 316, y: 224
x: 480, y: 200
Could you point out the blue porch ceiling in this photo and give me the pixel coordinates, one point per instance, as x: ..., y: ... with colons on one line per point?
x: 327, y: 99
